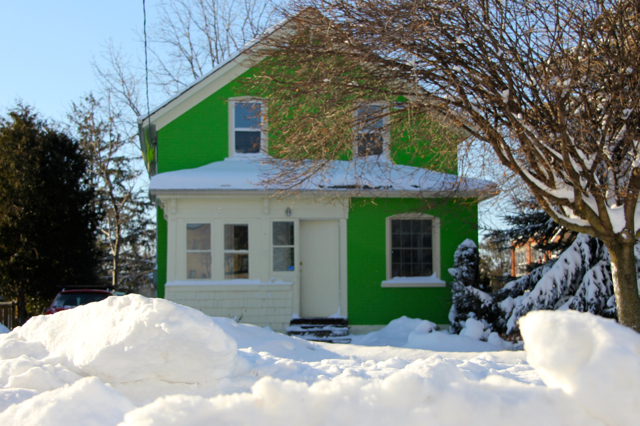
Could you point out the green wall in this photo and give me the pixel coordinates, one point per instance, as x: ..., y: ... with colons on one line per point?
x: 369, y: 303
x: 161, y: 251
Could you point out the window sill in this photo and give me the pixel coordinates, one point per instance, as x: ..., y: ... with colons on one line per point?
x: 409, y: 282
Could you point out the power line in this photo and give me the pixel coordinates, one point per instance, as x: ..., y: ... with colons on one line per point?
x: 146, y: 61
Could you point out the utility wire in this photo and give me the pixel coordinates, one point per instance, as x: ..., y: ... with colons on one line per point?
x: 146, y: 62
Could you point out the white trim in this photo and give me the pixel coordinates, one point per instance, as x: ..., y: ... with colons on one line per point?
x: 264, y: 134
x: 394, y: 281
x: 431, y: 281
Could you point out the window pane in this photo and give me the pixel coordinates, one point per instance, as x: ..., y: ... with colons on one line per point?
x: 283, y: 233
x: 283, y: 259
x: 236, y: 237
x: 236, y: 266
x: 247, y: 142
x: 370, y: 117
x: 199, y: 265
x: 369, y: 144
x: 396, y: 226
x: 247, y: 114
x: 198, y: 236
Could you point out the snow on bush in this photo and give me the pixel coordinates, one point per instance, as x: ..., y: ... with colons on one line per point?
x: 133, y: 361
x: 580, y: 279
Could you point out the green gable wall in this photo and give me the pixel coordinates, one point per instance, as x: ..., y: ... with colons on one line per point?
x: 369, y: 303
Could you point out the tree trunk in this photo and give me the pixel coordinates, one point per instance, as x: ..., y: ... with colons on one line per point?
x: 625, y: 283
x: 115, y: 275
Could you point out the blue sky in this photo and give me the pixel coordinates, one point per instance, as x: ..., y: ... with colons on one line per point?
x: 47, y: 46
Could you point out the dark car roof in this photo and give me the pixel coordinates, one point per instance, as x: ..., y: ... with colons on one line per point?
x: 88, y: 290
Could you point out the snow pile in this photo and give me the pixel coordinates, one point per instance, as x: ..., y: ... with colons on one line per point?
x: 136, y: 361
x: 129, y: 338
x: 412, y: 333
x: 593, y: 360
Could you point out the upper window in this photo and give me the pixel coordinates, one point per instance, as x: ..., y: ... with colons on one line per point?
x: 247, y: 120
x: 371, y: 136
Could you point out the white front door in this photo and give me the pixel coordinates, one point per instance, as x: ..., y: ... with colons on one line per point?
x: 319, y: 267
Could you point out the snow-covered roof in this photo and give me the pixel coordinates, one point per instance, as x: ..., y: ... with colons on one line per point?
x: 370, y: 177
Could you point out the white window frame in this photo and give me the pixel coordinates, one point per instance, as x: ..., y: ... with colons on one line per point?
x: 433, y: 281
x: 386, y: 130
x: 264, y: 142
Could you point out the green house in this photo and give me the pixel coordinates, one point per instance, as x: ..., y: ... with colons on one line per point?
x: 369, y: 240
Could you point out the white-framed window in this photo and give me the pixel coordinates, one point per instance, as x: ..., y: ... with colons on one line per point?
x: 236, y: 251
x: 198, y: 251
x: 283, y: 242
x: 371, y: 130
x: 247, y: 126
x: 413, y: 251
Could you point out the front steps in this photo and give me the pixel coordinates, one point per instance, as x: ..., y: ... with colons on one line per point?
x: 330, y: 330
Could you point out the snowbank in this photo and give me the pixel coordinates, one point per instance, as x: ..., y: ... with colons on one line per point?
x: 126, y: 339
x: 136, y: 361
x: 594, y: 360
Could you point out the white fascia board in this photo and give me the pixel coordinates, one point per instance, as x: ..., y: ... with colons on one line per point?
x: 198, y: 193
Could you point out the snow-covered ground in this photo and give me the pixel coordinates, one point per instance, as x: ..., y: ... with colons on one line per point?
x: 136, y: 361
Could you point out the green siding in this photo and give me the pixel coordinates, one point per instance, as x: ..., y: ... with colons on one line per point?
x: 161, y: 251
x: 369, y: 303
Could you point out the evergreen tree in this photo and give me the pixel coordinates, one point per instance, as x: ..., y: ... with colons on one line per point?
x: 47, y: 220
x: 470, y: 299
x: 579, y: 279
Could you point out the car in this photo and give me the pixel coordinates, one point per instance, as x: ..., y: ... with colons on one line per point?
x: 69, y: 299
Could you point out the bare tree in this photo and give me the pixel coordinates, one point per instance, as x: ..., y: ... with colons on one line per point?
x: 193, y: 36
x: 551, y: 85
x: 124, y: 232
